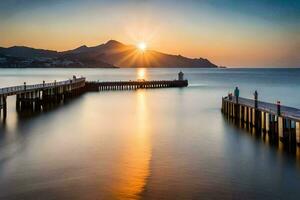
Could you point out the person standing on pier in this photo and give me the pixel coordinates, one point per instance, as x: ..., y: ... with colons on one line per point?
x: 255, y: 98
x: 278, y: 108
x: 237, y: 94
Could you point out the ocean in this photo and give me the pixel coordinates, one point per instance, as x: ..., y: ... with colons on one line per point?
x: 168, y: 143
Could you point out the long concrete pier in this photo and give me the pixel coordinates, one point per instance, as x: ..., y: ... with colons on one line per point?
x: 280, y: 122
x: 37, y: 97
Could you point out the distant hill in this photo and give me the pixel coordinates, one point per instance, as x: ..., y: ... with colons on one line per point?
x: 110, y: 54
x: 21, y: 51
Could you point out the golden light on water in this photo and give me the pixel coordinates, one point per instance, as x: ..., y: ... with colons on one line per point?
x: 134, y: 163
x: 127, y: 167
x: 141, y: 73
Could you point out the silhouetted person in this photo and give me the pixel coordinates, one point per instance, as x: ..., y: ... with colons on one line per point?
x: 255, y: 98
x: 237, y: 94
x: 278, y: 108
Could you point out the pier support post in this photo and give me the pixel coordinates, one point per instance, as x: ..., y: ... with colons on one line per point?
x: 241, y: 113
x: 293, y: 137
x: 253, y: 112
x: 280, y: 127
x: 18, y: 102
x: 4, y: 106
x: 1, y: 103
x: 237, y: 112
x: 245, y: 114
x: 298, y: 133
x: 273, y: 127
x: 249, y: 117
x: 257, y: 120
x: 267, y: 123
x: 263, y: 121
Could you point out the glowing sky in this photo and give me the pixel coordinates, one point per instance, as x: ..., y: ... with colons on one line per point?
x: 228, y: 32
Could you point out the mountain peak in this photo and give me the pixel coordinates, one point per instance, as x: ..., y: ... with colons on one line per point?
x: 113, y: 43
x: 82, y: 47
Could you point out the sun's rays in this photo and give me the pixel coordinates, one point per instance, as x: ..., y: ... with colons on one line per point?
x: 127, y: 57
x: 138, y: 55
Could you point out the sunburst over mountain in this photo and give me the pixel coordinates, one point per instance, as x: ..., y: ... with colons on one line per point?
x: 109, y: 54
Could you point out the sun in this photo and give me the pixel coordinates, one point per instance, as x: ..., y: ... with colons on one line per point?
x: 142, y: 46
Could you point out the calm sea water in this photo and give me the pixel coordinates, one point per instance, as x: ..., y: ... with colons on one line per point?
x: 147, y: 144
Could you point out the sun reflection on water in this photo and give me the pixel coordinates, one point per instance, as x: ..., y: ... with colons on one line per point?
x: 141, y: 74
x: 137, y: 154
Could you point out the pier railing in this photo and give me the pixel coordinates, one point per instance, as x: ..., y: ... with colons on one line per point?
x: 24, y: 88
x: 278, y: 121
x: 285, y: 111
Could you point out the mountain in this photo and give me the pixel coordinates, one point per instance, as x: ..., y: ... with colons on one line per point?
x: 110, y: 54
x: 25, y: 57
x: 21, y: 51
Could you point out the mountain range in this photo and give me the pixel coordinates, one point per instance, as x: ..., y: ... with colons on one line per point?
x: 111, y: 54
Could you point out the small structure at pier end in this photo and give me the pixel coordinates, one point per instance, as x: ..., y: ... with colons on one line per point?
x: 180, y: 76
x: 279, y: 122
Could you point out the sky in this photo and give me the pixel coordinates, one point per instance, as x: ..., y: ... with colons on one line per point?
x: 233, y: 33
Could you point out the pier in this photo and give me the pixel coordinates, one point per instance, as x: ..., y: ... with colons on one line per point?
x: 133, y: 85
x: 281, y: 123
x: 38, y: 96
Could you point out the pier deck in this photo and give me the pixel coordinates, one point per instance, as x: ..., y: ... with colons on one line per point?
x: 131, y: 85
x: 280, y: 122
x: 39, y: 96
x: 287, y: 112
x: 8, y: 91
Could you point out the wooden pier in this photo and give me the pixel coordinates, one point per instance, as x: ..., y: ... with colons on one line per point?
x: 280, y: 122
x: 133, y: 85
x: 37, y: 97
